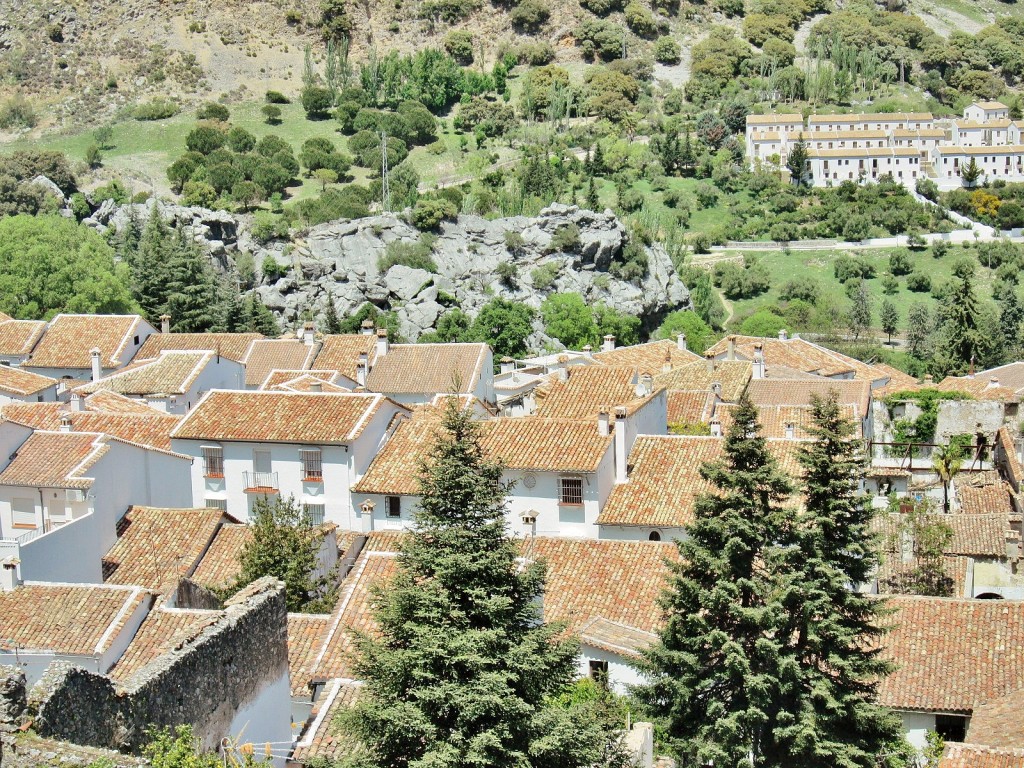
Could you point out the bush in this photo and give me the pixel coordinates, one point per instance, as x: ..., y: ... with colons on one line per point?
x: 316, y: 101
x: 17, y: 112
x: 919, y: 282
x: 601, y: 7
x: 543, y: 277
x: 804, y: 288
x: 666, y: 50
x: 529, y: 15
x: 157, y: 109
x: 272, y: 113
x: 742, y: 282
x: 213, y: 111
x: 508, y: 273
x: 205, y: 139
x: 763, y: 323
x: 413, y: 255
x: 640, y: 20
x: 459, y: 45
x: 848, y: 268
x: 428, y: 213
x: 565, y: 240
x: 267, y: 226
x: 276, y: 97
x: 240, y: 140
x: 271, y: 269
x: 899, y: 263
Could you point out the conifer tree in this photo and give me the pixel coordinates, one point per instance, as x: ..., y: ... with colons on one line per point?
x: 687, y: 157
x: 714, y: 672
x: 463, y: 672
x: 597, y: 164
x: 259, y: 319
x: 830, y: 715
x: 148, y: 262
x: 193, y: 292
x: 797, y: 161
x: 332, y: 323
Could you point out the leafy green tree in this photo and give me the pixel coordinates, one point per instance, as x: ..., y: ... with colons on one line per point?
x: 699, y: 335
x: 49, y: 264
x: 715, y: 673
x: 624, y: 327
x: 462, y: 670
x: 177, y: 749
x: 505, y: 325
x: 271, y: 114
x: 890, y: 317
x: 830, y: 713
x: 316, y: 101
x: 205, y: 138
x: 568, y: 318
x: 285, y: 544
x: 859, y: 318
x: 947, y: 461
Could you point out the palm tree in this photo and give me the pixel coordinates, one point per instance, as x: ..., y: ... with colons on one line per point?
x: 947, y: 461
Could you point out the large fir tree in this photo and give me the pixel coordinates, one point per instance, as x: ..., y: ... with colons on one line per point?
x: 463, y: 672
x: 714, y: 673
x: 193, y: 290
x: 829, y: 714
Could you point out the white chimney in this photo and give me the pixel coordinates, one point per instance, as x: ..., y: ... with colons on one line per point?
x: 563, y: 374
x: 97, y: 370
x: 790, y: 430
x: 620, y: 445
x: 588, y: 350
x: 758, y: 370
x: 716, y: 427
x: 783, y: 336
x: 731, y: 355
x: 316, y: 386
x: 609, y: 343
x: 666, y: 366
x: 681, y: 341
x: 165, y: 323
x: 716, y: 388
x: 9, y: 575
x: 603, y: 428
x: 367, y: 327
x: 507, y: 365
x: 308, y: 334
x: 65, y: 423
x: 382, y: 342
x: 77, y: 402
x: 992, y: 383
x: 709, y: 362
x: 361, y: 373
x: 645, y: 385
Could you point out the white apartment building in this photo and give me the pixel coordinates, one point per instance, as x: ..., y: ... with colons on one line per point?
x: 877, y: 122
x: 982, y: 111
x: 826, y: 167
x: 1006, y: 162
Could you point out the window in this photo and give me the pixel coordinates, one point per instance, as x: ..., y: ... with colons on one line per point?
x: 570, y: 490
x: 23, y: 513
x: 312, y: 464
x: 951, y: 727
x: 213, y: 461
x: 598, y: 671
x: 314, y: 513
x: 655, y: 536
x: 135, y: 341
x: 221, y: 504
x: 393, y: 506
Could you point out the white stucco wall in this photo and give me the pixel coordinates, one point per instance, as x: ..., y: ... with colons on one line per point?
x: 621, y: 674
x: 916, y: 726
x: 69, y: 553
x: 267, y: 719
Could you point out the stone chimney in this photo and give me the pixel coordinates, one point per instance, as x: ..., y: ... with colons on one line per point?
x: 507, y: 365
x: 77, y: 402
x: 97, y: 369
x: 681, y: 341
x: 9, y: 574
x: 609, y: 343
x: 716, y: 427
x: 731, y: 354
x: 783, y: 336
x: 928, y: 380
x: 790, y: 430
x: 316, y: 386
x: 361, y: 373
x: 603, y: 427
x: 382, y: 343
x: 165, y: 323
x: 366, y: 328
x: 758, y: 369
x: 65, y: 422
x: 620, y: 445
x: 308, y: 334
x: 588, y: 351
x: 709, y: 362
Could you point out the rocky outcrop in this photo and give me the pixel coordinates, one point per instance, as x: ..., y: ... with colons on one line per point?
x: 339, y: 262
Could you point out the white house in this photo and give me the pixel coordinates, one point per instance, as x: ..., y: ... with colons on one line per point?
x: 984, y: 111
x: 18, y: 338
x: 867, y: 122
x: 17, y: 385
x: 1006, y: 162
x: 779, y: 126
x: 827, y: 167
x: 310, y: 445
x: 923, y: 140
x: 87, y: 346
x: 174, y: 382
x: 863, y: 139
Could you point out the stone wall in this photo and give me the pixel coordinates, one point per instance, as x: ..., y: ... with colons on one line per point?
x: 204, y: 682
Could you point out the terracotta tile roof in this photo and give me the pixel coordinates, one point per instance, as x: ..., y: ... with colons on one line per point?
x: 162, y: 630
x: 340, y: 352
x: 220, y: 565
x: 280, y: 417
x: 282, y: 379
x: 733, y: 377
x: 774, y: 419
x: 880, y: 117
x: 772, y: 119
x: 305, y: 637
x: 428, y: 368
x: 974, y: 535
x: 952, y: 655
x: 4, y: 316
x: 114, y: 402
x: 1011, y: 465
x: 974, y: 756
x: 15, y: 381
x: 690, y: 407
x: 650, y: 357
x: 765, y: 392
x: 233, y: 346
x: 18, y: 337
x: 309, y: 383
x: 980, y: 388
x: 614, y: 637
x: 325, y: 742
x: 894, y: 568
x: 588, y: 389
x: 897, y: 379
x: 266, y: 355
x: 69, y: 339
x: 151, y: 428
x: 664, y: 479
x: 800, y: 354
x: 55, y: 460
x: 156, y: 546
x: 1010, y: 375
x: 74, y: 619
x: 997, y: 723
x: 395, y: 470
x: 172, y: 373
x: 984, y: 499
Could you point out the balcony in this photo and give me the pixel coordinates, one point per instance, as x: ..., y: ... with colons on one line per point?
x: 260, y: 482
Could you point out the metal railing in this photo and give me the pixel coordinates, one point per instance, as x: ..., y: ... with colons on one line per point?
x: 256, y: 482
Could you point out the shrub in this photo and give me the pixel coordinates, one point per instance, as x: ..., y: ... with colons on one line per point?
x: 272, y: 113
x: 514, y: 242
x: 848, y: 268
x: 508, y: 273
x: 79, y: 206
x: 428, y: 213
x: 804, y: 288
x: 413, y: 255
x: 271, y: 269
x: 601, y: 7
x: 205, y: 139
x: 198, y: 193
x: 459, y: 45
x: 890, y: 285
x: 266, y: 226
x: 940, y: 248
x: 666, y: 50
x: 543, y: 277
x: 276, y: 97
x: 640, y: 20
x: 17, y: 112
x: 899, y: 263
x: 157, y: 109
x: 565, y: 240
x: 529, y: 15
x: 631, y: 200
x: 213, y: 111
x: 919, y: 282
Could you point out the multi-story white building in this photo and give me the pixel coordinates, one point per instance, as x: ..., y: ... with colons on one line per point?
x: 865, y: 122
x: 1006, y: 162
x: 982, y: 111
x: 827, y: 167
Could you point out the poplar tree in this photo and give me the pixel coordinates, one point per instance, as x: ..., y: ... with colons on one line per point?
x: 830, y: 715
x: 714, y: 672
x: 463, y: 671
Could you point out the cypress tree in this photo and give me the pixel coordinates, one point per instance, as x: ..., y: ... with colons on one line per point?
x: 193, y: 295
x: 830, y: 715
x: 797, y: 162
x: 258, y: 318
x: 962, y: 322
x: 332, y: 323
x: 714, y: 672
x: 149, y: 265
x: 463, y: 672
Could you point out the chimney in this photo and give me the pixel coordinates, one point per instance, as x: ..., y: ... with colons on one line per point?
x: 165, y: 323
x: 9, y: 577
x: 709, y: 362
x: 97, y: 370
x: 563, y: 374
x: 758, y: 371
x: 609, y: 343
x: 970, y: 370
x: 731, y: 354
x: 783, y: 336
x: 77, y: 402
x: 588, y: 351
x: 716, y: 427
x: 361, y: 373
x: 366, y: 328
x: 620, y: 445
x: 382, y: 342
x: 507, y: 365
x: 65, y: 423
x: 667, y: 365
x: 308, y: 334
x: 603, y: 428
x: 645, y: 385
x: 790, y: 430
x: 928, y: 380
x: 316, y: 386
x: 681, y: 341
x: 716, y: 389
x: 992, y: 383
